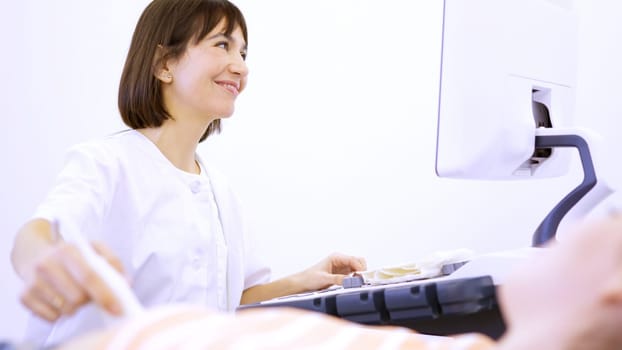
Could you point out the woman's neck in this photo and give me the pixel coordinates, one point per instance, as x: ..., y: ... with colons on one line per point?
x: 177, y: 143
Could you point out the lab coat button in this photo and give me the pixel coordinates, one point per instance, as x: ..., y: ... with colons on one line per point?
x: 196, y: 263
x: 195, y: 187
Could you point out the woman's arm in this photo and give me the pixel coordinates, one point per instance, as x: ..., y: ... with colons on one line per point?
x: 57, y: 279
x: 31, y: 241
x: 331, y: 270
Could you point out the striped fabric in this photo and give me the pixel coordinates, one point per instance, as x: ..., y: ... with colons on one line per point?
x: 277, y: 328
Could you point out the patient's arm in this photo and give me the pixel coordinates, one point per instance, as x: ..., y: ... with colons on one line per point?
x: 186, y: 327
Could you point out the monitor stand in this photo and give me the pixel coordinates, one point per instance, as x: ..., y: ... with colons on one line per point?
x: 597, y: 190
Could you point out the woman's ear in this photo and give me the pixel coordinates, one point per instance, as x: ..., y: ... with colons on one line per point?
x: 164, y: 75
x: 161, y: 67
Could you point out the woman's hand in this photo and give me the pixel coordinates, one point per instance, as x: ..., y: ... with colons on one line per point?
x: 60, y: 282
x: 331, y: 270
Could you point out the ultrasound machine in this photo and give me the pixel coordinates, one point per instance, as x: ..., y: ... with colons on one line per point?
x: 506, y: 101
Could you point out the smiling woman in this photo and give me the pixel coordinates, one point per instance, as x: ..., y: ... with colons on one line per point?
x: 193, y: 52
x: 149, y: 204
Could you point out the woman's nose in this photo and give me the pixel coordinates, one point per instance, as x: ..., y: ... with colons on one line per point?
x: 238, y: 65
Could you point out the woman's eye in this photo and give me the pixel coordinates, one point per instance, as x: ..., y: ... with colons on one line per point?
x: 243, y: 54
x: 223, y: 45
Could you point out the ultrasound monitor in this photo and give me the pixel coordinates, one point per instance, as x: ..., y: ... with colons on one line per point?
x: 507, y: 92
x: 508, y: 67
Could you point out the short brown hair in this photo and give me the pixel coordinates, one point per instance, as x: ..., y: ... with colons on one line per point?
x: 170, y: 24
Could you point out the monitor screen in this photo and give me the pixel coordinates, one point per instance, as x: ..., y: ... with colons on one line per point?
x: 508, y: 68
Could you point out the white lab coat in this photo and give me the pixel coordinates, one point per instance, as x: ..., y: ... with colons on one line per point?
x: 179, y: 235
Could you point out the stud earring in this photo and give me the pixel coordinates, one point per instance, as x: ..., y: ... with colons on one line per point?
x: 166, y: 77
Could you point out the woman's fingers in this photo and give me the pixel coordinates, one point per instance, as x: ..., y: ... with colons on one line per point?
x: 41, y: 298
x: 52, y: 291
x: 68, y: 294
x: 332, y: 270
x: 345, y: 264
x: 39, y: 307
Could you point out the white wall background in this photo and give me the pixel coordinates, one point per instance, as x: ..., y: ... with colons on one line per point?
x: 332, y: 144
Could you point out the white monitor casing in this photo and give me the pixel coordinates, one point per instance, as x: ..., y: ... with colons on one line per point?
x: 499, y: 56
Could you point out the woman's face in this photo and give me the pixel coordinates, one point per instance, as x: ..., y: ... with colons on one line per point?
x: 208, y: 77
